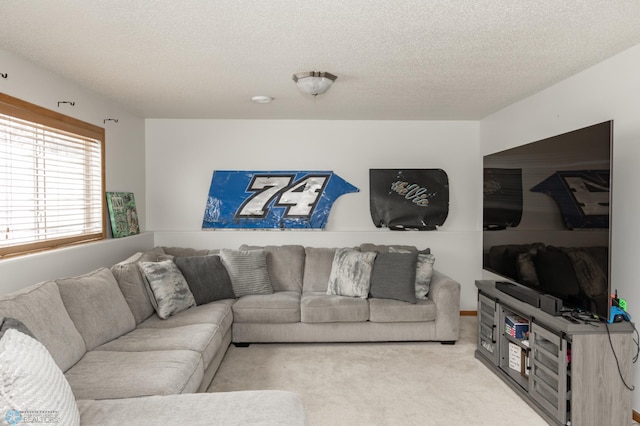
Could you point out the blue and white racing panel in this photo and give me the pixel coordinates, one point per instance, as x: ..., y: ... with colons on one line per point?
x: 267, y: 199
x: 581, y: 195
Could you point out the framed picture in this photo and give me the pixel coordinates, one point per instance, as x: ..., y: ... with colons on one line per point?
x: 122, y: 214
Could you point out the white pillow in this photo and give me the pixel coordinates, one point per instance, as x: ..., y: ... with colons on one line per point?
x: 32, y: 386
x: 424, y: 272
x: 170, y: 290
x: 351, y: 273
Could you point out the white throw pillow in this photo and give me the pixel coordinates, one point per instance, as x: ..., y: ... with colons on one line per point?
x: 32, y: 386
x: 351, y: 273
x: 169, y: 287
x: 424, y: 272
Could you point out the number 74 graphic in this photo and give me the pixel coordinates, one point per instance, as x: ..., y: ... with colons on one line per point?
x: 300, y: 197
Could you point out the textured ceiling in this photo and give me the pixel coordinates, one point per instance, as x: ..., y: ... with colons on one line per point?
x: 395, y: 59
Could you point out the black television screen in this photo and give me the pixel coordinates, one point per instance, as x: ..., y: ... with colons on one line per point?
x: 547, y: 215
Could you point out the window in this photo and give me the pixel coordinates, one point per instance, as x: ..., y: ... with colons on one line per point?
x: 51, y: 179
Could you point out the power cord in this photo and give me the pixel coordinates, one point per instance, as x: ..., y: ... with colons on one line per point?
x: 637, y: 342
x: 635, y: 357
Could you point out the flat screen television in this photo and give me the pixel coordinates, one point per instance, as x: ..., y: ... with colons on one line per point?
x: 547, y: 216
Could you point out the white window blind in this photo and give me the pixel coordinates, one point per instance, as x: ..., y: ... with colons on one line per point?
x: 51, y: 185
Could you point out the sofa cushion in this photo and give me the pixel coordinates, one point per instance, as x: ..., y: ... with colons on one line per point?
x: 202, y: 338
x: 169, y: 289
x: 317, y: 268
x: 248, y: 271
x: 41, y: 309
x: 390, y: 310
x: 96, y: 306
x: 285, y: 265
x: 188, y: 251
x: 132, y: 286
x: 267, y: 408
x: 321, y: 307
x: 279, y: 307
x: 31, y: 379
x: 394, y: 276
x: 218, y: 313
x: 107, y: 374
x: 132, y: 283
x: 207, y: 278
x: 351, y: 273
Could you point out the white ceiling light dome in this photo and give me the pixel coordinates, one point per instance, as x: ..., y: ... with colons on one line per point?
x: 261, y: 99
x: 314, y: 82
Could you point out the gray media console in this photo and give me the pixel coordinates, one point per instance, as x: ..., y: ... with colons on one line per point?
x: 567, y: 371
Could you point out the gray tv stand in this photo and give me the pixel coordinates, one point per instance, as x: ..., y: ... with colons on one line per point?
x: 566, y: 371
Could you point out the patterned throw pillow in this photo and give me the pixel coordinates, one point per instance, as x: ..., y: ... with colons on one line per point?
x: 31, y: 383
x: 248, y: 271
x: 424, y: 271
x: 351, y: 273
x: 170, y: 290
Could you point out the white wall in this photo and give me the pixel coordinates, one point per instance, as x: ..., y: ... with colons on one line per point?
x: 609, y: 90
x: 124, y: 170
x: 181, y: 156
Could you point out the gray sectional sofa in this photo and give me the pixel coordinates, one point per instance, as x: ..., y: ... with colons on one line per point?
x: 127, y: 365
x: 300, y: 310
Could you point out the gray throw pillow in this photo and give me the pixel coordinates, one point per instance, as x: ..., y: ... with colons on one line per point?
x: 424, y: 270
x: 394, y: 276
x: 386, y: 248
x: 351, y: 273
x: 207, y: 278
x: 247, y: 270
x: 170, y: 289
x: 7, y: 323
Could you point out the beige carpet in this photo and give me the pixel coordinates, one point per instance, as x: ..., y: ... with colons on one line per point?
x: 381, y: 383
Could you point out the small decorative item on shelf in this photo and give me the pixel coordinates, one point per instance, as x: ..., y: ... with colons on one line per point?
x: 122, y: 214
x: 516, y: 327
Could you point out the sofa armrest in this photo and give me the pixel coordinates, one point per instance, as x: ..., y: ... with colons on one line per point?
x: 445, y: 293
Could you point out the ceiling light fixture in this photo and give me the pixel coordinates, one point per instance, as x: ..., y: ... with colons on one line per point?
x: 314, y: 82
x: 262, y: 99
